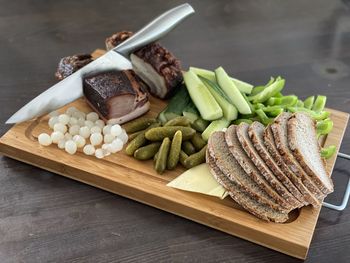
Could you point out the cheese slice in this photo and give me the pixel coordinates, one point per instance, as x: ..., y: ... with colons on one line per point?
x: 199, y: 179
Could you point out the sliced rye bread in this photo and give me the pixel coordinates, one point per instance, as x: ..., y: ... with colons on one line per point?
x: 302, y: 138
x: 218, y: 149
x: 256, y: 134
x: 248, y: 147
x: 271, y: 147
x: 248, y: 166
x: 240, y: 197
x: 280, y: 135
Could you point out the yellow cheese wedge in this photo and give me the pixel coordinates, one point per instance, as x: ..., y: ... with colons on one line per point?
x: 199, y: 179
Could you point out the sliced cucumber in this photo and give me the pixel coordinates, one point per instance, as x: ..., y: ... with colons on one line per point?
x: 229, y: 111
x: 217, y: 125
x: 201, y: 97
x: 232, y: 91
x: 241, y: 85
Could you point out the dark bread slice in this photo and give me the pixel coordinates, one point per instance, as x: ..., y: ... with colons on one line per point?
x: 256, y: 134
x: 248, y: 166
x: 302, y: 138
x: 218, y: 149
x: 280, y: 135
x: 271, y: 147
x: 240, y: 197
x: 248, y: 147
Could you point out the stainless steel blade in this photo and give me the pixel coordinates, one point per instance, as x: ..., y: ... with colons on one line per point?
x: 69, y: 89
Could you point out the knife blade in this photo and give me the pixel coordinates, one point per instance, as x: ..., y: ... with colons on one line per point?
x: 71, y: 88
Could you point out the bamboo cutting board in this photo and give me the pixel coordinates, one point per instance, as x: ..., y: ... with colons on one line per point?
x: 123, y: 175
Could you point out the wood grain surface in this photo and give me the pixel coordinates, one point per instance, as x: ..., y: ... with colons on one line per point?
x: 44, y: 217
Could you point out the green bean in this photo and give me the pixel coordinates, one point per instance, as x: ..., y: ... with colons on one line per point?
x: 269, y: 91
x: 318, y: 116
x: 257, y: 90
x: 309, y: 102
x: 328, y: 152
x: 285, y: 100
x: 319, y: 104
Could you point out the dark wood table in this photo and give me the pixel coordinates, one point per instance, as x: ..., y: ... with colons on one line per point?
x: 45, y: 217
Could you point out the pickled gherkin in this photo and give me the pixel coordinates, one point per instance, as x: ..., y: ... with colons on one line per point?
x: 138, y: 124
x: 161, y: 161
x: 159, y: 133
x: 147, y: 152
x: 174, y: 153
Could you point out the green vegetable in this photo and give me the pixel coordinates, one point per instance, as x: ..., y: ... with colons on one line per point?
x: 161, y: 116
x: 229, y: 111
x: 161, y: 161
x: 232, y: 91
x: 263, y: 118
x: 138, y: 124
x: 324, y: 127
x: 309, y: 102
x: 318, y: 116
x: 174, y: 153
x: 299, y: 104
x: 133, y: 135
x: 206, y: 104
x: 273, y: 111
x: 328, y: 152
x: 177, y: 103
x: 200, y: 125
x: 147, y: 152
x: 241, y: 85
x: 196, y: 158
x: 198, y: 141
x: 140, y: 140
x: 188, y: 147
x: 216, y: 125
x: 191, y: 112
x: 238, y: 121
x: 159, y: 133
x: 320, y: 103
x: 257, y: 90
x: 268, y: 92
x: 183, y: 156
x: 178, y: 121
x: 290, y: 100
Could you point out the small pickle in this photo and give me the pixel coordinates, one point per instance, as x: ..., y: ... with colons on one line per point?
x: 196, y: 158
x: 328, y: 152
x: 183, y: 156
x: 320, y: 103
x: 188, y: 147
x: 139, y: 141
x: 200, y: 125
x: 134, y: 135
x: 178, y: 121
x: 147, y: 152
x: 174, y: 152
x: 198, y: 141
x: 138, y: 124
x: 309, y: 102
x: 155, y: 156
x: 162, y: 157
x: 159, y: 133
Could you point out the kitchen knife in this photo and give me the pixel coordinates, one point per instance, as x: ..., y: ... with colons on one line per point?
x: 71, y: 88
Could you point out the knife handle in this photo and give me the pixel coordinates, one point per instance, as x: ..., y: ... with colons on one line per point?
x: 155, y: 30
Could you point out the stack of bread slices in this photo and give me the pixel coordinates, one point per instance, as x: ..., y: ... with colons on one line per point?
x: 271, y: 170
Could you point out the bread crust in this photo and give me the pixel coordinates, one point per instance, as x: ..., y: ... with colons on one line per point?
x: 271, y: 147
x: 297, y: 120
x: 248, y: 166
x: 243, y: 199
x: 279, y: 130
x: 255, y: 133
